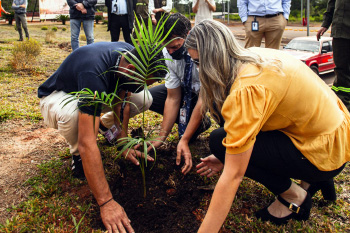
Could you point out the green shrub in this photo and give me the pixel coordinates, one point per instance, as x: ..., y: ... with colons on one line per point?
x: 98, y: 18
x: 62, y: 18
x: 82, y: 37
x: 293, y: 19
x: 24, y: 54
x: 44, y: 28
x: 50, y: 36
x: 54, y: 29
x: 235, y: 17
x: 104, y: 21
x: 64, y: 29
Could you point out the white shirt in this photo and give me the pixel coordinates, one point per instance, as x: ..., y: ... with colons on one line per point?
x: 122, y: 7
x: 175, y: 78
x: 167, y: 8
x: 262, y: 8
x: 203, y: 10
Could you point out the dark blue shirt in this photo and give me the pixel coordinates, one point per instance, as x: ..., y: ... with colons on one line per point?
x: 87, y: 67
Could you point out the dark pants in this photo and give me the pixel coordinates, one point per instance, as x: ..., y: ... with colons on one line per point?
x: 341, y: 54
x: 21, y: 21
x: 274, y: 161
x: 117, y: 22
x: 159, y: 94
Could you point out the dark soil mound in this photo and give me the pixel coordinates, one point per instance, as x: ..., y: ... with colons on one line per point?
x: 171, y: 200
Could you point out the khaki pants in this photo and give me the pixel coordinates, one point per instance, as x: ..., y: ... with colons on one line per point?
x: 270, y: 28
x: 64, y: 117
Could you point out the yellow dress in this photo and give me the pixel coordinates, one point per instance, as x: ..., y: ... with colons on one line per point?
x: 296, y: 102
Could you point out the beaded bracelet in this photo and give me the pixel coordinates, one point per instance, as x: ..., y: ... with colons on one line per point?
x: 106, y: 202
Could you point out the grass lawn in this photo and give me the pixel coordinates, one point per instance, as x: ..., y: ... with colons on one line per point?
x: 55, y: 202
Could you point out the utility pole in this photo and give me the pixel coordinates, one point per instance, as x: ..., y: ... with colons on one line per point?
x: 36, y: 2
x: 301, y: 12
x: 222, y: 4
x: 308, y: 17
x: 228, y: 12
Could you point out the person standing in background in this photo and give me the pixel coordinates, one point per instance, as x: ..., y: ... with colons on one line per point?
x: 157, y: 8
x: 20, y: 7
x: 264, y: 19
x: 141, y: 10
x: 337, y: 15
x: 81, y: 11
x: 204, y: 9
x: 2, y: 10
x: 142, y: 13
x: 120, y: 15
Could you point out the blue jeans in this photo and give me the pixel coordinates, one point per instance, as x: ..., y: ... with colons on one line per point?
x: 88, y: 26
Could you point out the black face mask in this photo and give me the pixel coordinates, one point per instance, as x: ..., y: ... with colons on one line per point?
x: 127, y: 84
x: 179, y: 54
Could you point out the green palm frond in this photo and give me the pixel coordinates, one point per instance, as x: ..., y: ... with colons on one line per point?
x: 148, y: 42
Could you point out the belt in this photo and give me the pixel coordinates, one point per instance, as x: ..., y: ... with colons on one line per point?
x: 141, y: 4
x: 119, y: 14
x: 268, y: 16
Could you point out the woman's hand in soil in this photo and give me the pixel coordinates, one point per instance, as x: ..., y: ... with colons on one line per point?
x: 133, y: 154
x: 209, y: 166
x: 115, y: 219
x: 184, y: 150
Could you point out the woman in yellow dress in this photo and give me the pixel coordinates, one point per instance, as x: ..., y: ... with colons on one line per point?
x: 281, y: 122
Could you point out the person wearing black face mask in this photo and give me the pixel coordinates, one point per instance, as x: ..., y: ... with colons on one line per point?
x: 94, y: 67
x: 177, y: 99
x: 179, y: 53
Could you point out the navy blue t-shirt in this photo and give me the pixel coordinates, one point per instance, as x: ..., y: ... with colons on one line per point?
x: 87, y: 67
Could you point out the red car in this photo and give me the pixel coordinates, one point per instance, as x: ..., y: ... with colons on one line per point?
x: 318, y: 55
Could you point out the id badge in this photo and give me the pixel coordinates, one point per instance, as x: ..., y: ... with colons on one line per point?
x: 255, y: 26
x: 112, y: 133
x: 183, y: 113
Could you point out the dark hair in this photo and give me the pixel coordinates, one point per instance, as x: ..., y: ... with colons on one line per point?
x: 181, y: 28
x: 156, y: 61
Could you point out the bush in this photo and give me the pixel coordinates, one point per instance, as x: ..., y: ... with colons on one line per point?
x: 293, y: 19
x: 235, y: 17
x: 54, y: 29
x: 104, y: 21
x: 64, y: 29
x: 44, y: 28
x: 98, y: 18
x: 82, y: 37
x: 24, y: 54
x: 62, y: 18
x: 50, y: 36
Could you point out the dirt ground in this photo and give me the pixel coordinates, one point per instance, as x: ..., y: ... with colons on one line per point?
x: 27, y: 144
x: 23, y: 146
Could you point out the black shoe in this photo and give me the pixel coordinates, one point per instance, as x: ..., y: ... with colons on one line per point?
x: 77, y: 167
x: 20, y: 39
x: 327, y: 188
x: 205, y: 124
x: 301, y: 212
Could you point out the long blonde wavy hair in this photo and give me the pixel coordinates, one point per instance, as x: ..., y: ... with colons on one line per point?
x: 220, y: 58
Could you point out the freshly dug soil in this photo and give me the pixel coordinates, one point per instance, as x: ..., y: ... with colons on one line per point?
x: 172, y: 198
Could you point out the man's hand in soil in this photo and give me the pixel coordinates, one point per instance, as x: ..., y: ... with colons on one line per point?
x: 115, y: 219
x: 184, y: 150
x: 133, y: 154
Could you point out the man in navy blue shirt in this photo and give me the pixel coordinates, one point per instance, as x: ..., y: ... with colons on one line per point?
x: 94, y: 67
